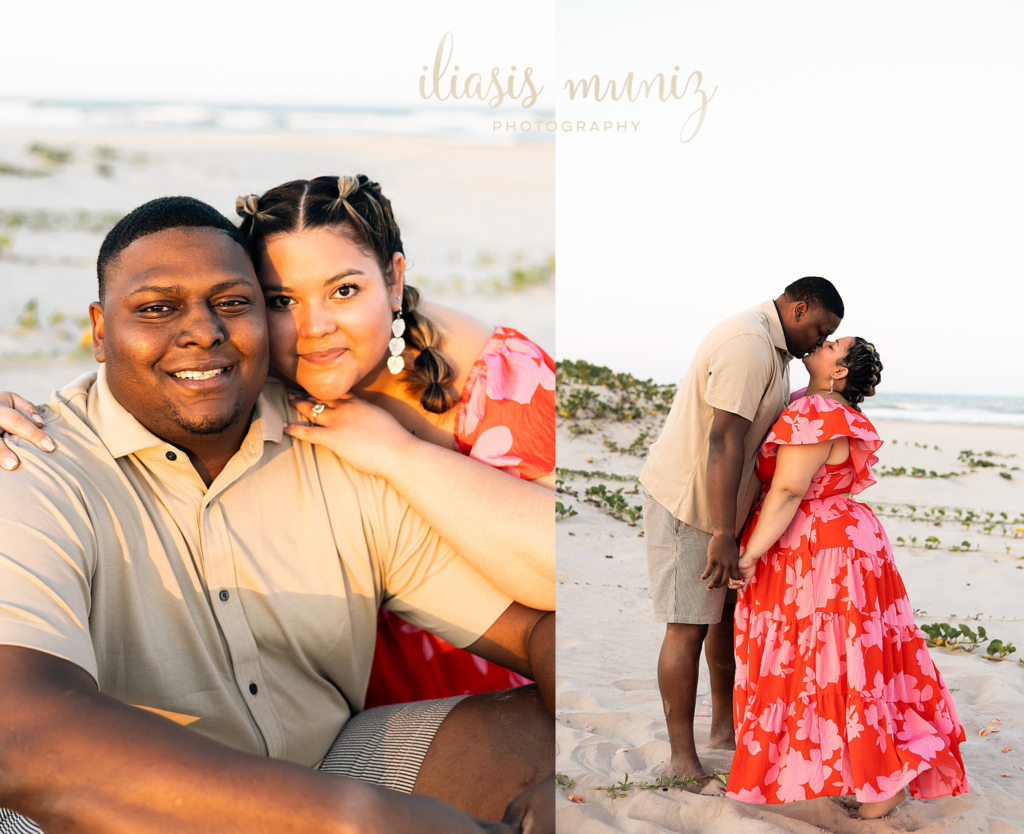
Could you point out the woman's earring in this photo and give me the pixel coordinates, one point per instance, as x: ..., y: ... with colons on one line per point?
x: 831, y: 384
x: 396, y: 362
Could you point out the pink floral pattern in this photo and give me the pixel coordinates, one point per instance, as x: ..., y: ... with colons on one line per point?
x: 835, y: 692
x: 505, y: 419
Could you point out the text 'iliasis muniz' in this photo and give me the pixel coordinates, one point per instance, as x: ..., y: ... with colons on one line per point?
x: 437, y: 82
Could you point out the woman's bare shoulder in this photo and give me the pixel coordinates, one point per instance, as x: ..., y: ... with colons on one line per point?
x: 465, y: 336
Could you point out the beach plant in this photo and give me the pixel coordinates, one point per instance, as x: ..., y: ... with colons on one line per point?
x: 28, y: 318
x: 614, y: 502
x: 11, y: 170
x: 42, y: 220
x: 932, y: 542
x: 954, y: 637
x: 621, y: 788
x: 564, y: 782
x: 593, y: 474
x: 564, y: 511
x: 637, y: 448
x: 998, y: 650
x: 50, y: 155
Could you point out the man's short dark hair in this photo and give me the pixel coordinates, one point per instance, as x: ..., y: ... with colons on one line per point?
x: 817, y: 292
x: 157, y: 216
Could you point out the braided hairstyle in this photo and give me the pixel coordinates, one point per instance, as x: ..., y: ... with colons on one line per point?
x: 864, y: 371
x: 356, y: 208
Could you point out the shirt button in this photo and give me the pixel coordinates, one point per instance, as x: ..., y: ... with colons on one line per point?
x: 253, y: 688
x: 171, y: 456
x: 224, y: 596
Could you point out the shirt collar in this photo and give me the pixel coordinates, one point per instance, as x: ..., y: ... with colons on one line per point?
x: 123, y: 435
x: 775, y: 325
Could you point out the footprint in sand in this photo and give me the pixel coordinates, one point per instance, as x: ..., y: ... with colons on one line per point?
x: 628, y: 685
x: 574, y: 700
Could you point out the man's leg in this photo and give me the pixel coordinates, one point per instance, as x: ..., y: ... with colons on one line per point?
x: 488, y: 750
x: 678, y: 665
x: 718, y: 648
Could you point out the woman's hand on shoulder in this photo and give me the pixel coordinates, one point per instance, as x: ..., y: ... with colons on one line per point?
x: 363, y: 435
x: 19, y: 417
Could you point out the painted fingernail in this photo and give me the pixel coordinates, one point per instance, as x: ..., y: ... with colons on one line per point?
x: 47, y: 444
x: 38, y: 420
x: 9, y: 463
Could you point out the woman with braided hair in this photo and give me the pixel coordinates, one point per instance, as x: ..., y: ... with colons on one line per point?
x: 835, y: 691
x: 387, y: 379
x: 384, y: 380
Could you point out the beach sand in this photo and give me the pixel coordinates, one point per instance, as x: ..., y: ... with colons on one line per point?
x: 610, y: 719
x: 471, y: 214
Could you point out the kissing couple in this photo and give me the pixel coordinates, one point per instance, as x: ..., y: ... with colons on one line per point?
x: 759, y: 553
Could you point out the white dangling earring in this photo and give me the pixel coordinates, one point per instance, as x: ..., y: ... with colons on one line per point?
x: 831, y: 384
x: 396, y: 362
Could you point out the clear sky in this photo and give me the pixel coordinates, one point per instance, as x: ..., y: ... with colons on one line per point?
x: 322, y: 53
x: 876, y: 144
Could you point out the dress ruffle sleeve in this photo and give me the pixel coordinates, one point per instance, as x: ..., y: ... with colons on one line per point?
x: 816, y: 419
x: 506, y: 417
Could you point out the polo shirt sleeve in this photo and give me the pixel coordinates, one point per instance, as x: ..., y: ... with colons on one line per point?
x: 427, y: 583
x: 739, y: 371
x: 46, y: 561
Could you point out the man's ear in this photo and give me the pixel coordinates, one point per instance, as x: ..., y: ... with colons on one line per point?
x: 96, y: 317
x: 799, y: 309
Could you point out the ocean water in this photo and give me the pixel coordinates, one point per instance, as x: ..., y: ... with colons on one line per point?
x: 947, y: 408
x: 461, y: 121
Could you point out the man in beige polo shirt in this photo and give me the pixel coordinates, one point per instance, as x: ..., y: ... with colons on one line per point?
x: 699, y: 486
x: 188, y: 595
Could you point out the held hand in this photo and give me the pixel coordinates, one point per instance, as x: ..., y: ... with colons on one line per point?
x: 533, y: 811
x: 361, y: 434
x: 747, y: 567
x: 723, y: 554
x: 19, y: 417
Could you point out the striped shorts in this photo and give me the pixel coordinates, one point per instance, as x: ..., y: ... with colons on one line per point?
x: 384, y: 745
x: 677, y: 555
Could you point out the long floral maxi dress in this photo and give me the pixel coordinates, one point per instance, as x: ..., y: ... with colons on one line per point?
x: 835, y: 692
x: 505, y: 419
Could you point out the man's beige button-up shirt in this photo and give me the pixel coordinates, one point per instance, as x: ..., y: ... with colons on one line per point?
x: 247, y: 610
x: 741, y: 366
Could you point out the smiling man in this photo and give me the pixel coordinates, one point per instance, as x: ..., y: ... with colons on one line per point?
x: 188, y: 596
x: 699, y: 486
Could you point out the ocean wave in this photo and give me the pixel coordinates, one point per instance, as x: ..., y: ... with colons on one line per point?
x: 436, y: 122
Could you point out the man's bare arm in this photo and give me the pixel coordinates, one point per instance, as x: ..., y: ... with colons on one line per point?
x: 75, y: 760
x: 523, y: 639
x: 725, y: 469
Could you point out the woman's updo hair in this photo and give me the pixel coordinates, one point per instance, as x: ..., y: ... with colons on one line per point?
x: 356, y: 208
x: 864, y: 371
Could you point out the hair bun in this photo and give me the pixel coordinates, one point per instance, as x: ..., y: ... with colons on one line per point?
x: 247, y: 205
x: 347, y: 186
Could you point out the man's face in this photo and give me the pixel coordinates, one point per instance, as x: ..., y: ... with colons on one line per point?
x: 183, y: 333
x: 809, y: 329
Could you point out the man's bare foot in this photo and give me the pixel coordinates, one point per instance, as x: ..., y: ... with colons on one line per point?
x: 689, y: 771
x: 877, y: 810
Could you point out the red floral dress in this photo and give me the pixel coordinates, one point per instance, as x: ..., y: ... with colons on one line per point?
x: 835, y: 692
x: 505, y: 419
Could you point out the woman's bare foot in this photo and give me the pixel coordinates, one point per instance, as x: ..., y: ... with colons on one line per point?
x: 722, y: 739
x: 877, y: 810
